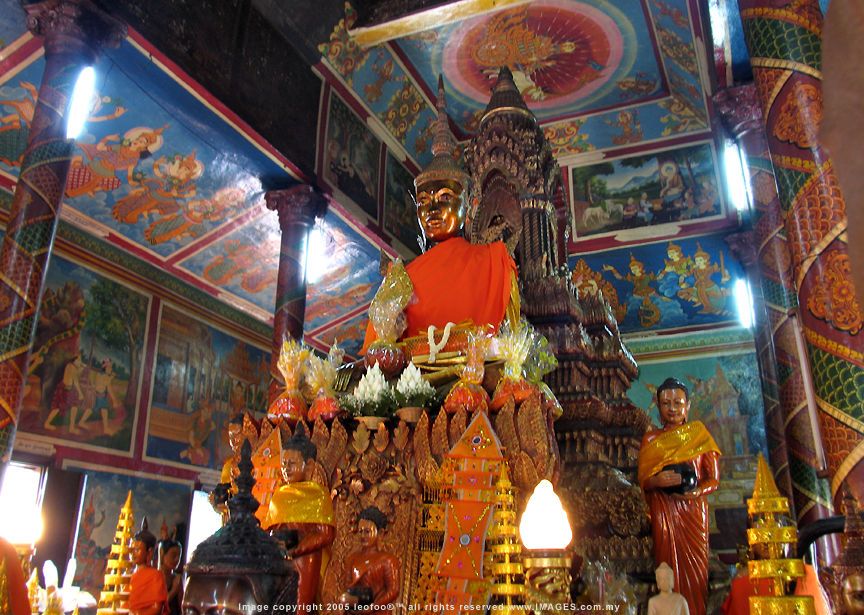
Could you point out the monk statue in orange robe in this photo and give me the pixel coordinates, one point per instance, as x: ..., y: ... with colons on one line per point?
x: 301, y: 514
x: 678, y: 468
x: 373, y: 574
x: 453, y: 280
x: 147, y: 592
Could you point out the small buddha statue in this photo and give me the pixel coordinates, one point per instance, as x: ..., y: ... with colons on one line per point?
x: 301, y: 513
x: 372, y: 574
x: 147, y: 593
x: 667, y: 602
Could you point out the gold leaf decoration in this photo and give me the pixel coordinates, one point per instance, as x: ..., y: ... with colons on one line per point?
x: 438, y: 439
x: 361, y: 438
x: 506, y: 429
x: 457, y: 425
x: 400, y: 436
x: 531, y: 427
x: 524, y: 472
x: 381, y: 439
x: 331, y: 454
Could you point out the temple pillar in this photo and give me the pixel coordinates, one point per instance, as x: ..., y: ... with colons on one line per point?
x: 764, y: 252
x: 298, y: 207
x: 73, y: 32
x: 784, y: 42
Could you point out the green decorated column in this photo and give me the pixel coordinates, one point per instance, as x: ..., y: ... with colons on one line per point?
x: 793, y: 439
x: 73, y: 32
x: 784, y: 41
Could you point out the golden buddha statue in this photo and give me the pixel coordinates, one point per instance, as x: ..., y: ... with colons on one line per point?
x: 483, y: 274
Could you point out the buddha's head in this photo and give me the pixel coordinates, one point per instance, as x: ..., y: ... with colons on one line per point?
x: 143, y: 545
x: 442, y: 185
x: 673, y: 402
x: 296, y: 453
x: 370, y: 522
x: 665, y: 577
x: 440, y: 210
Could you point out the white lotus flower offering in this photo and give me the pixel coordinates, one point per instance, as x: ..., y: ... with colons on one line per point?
x: 413, y: 389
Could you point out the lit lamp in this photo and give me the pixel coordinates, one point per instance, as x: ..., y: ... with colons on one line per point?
x: 22, y: 528
x: 545, y: 533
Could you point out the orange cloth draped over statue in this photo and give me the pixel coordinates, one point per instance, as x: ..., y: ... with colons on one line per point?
x: 679, y: 525
x: 455, y: 281
x: 147, y: 587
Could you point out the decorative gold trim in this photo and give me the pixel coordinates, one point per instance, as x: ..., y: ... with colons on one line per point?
x: 424, y: 20
x: 846, y: 466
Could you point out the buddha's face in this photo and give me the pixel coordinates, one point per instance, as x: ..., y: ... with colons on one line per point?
x: 293, y: 466
x: 853, y: 594
x: 368, y: 532
x: 440, y: 209
x: 673, y: 406
x: 141, y: 555
x: 665, y: 579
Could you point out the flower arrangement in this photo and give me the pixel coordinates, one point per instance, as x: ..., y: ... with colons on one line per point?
x: 372, y: 397
x: 412, y: 390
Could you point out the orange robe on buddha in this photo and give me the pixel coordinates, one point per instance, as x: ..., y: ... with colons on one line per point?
x: 147, y: 587
x: 455, y: 281
x: 680, y: 526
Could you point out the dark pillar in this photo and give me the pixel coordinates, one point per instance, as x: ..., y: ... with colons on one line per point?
x: 298, y: 207
x: 784, y: 41
x: 74, y: 31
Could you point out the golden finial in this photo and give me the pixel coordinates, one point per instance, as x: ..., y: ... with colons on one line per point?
x: 443, y: 166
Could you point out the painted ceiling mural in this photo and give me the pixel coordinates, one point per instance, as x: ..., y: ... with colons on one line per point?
x: 165, y: 174
x: 597, y: 74
x: 168, y: 175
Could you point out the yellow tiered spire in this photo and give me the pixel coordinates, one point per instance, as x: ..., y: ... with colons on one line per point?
x: 507, y: 570
x: 118, y: 571
x: 766, y: 531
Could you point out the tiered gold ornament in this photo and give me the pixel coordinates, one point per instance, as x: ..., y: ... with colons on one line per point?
x: 765, y: 509
x: 505, y: 547
x: 118, y: 572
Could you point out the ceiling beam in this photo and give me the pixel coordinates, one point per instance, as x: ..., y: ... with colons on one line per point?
x: 369, y: 36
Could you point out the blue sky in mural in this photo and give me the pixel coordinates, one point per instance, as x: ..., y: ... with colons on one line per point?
x: 659, y: 290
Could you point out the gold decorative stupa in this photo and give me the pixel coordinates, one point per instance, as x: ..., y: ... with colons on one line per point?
x: 118, y: 572
x: 506, y: 549
x: 767, y: 536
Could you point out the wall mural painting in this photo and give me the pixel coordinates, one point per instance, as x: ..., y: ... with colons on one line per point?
x: 349, y: 334
x: 672, y: 185
x: 400, y: 212
x: 163, y: 503
x: 85, y: 368
x: 352, y: 157
x: 727, y: 398
x: 203, y: 377
x: 664, y: 285
x: 137, y: 170
x: 351, y: 278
